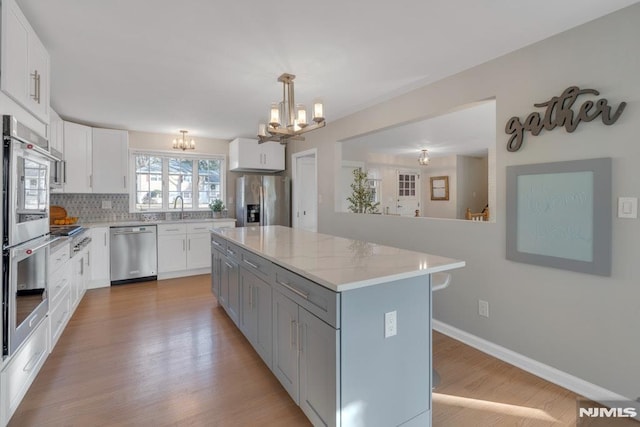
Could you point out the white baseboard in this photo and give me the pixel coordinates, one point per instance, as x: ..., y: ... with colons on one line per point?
x: 556, y: 376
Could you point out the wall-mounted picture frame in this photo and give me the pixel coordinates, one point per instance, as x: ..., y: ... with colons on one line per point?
x: 560, y: 215
x: 439, y: 187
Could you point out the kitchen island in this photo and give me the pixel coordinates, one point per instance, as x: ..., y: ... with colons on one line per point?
x: 344, y: 325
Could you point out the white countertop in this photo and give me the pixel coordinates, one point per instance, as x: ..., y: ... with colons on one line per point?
x: 334, y: 262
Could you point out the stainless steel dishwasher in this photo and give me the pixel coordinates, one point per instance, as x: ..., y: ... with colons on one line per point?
x: 134, y: 255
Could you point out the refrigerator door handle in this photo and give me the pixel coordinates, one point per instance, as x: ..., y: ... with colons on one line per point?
x: 261, y: 204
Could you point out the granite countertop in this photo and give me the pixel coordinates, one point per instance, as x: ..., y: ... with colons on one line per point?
x: 134, y: 223
x: 336, y: 263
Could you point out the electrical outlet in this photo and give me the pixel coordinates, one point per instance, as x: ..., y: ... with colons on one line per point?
x: 390, y: 324
x: 483, y: 308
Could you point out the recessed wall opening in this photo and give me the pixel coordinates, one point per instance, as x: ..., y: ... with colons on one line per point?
x: 457, y: 183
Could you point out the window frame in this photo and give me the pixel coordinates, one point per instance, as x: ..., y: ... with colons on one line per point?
x: 165, y: 155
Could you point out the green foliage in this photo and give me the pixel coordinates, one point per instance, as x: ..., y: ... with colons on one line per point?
x: 362, y: 196
x: 216, y: 205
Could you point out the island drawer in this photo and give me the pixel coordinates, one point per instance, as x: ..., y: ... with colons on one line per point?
x: 256, y: 264
x: 233, y: 251
x: 317, y: 299
x: 218, y: 242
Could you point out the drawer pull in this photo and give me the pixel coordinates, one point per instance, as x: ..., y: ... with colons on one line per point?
x: 294, y: 290
x: 232, y: 252
x: 172, y: 229
x: 228, y: 265
x: 251, y: 264
x: 216, y: 243
x: 31, y: 363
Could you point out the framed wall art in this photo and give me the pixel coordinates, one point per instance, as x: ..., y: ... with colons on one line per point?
x: 559, y: 215
x: 439, y: 187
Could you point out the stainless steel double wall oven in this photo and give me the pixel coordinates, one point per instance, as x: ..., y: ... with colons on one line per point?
x: 25, y: 227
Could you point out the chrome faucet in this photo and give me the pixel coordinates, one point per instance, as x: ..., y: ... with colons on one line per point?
x: 175, y: 202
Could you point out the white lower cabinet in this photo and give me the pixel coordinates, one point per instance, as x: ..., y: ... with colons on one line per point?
x: 19, y: 373
x: 80, y: 275
x: 185, y: 248
x: 100, y: 258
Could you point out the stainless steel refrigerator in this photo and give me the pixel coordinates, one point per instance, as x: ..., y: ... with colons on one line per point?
x: 263, y: 200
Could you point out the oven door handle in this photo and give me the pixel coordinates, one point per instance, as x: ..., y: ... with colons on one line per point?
x: 45, y: 244
x: 40, y: 246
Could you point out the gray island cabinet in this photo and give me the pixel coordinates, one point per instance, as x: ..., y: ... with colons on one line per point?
x: 344, y: 325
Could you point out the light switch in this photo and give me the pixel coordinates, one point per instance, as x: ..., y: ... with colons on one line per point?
x: 627, y: 207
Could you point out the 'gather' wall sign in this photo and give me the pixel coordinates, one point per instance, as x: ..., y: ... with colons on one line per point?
x: 559, y: 113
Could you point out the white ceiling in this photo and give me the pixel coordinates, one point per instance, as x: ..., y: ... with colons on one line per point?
x: 211, y: 66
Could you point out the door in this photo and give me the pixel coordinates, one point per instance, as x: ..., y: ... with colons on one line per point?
x: 77, y: 154
x: 198, y: 251
x: 319, y: 369
x: 305, y: 187
x: 407, y: 192
x: 275, y: 196
x: 109, y: 152
x: 172, y: 253
x: 285, y: 343
x: 232, y: 280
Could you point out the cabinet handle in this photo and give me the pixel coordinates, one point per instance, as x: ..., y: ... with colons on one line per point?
x: 216, y: 243
x: 172, y: 229
x: 300, y: 337
x: 228, y: 265
x: 88, y: 259
x: 105, y: 239
x: 124, y: 182
x: 232, y: 252
x: 90, y: 181
x: 31, y: 363
x: 293, y: 333
x: 294, y: 290
x: 36, y: 86
x: 251, y: 264
x: 64, y: 172
x: 82, y: 267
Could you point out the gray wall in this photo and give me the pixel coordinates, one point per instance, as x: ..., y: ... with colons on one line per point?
x: 581, y: 324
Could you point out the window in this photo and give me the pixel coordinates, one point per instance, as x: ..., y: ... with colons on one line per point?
x: 161, y: 178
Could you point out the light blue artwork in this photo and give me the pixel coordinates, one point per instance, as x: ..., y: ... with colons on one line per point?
x: 555, y: 215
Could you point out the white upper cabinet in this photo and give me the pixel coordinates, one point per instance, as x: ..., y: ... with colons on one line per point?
x: 56, y: 132
x: 24, y: 63
x: 110, y: 171
x: 77, y: 154
x: 247, y: 155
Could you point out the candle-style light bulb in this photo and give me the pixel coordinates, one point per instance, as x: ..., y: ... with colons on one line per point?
x: 274, y: 117
x: 318, y: 112
x: 302, y: 115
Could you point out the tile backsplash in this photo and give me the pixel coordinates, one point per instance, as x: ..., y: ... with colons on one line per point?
x: 88, y: 208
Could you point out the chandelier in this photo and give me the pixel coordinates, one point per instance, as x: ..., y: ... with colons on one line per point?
x: 181, y: 143
x: 424, y: 158
x: 288, y: 120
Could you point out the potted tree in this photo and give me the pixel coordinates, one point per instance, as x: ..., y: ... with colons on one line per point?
x: 362, y: 195
x: 217, y: 206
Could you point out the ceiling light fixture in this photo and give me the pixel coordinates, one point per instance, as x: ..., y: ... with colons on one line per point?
x: 288, y: 120
x: 181, y: 143
x: 424, y: 158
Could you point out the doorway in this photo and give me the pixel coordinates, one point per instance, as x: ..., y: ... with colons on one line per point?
x: 305, y: 190
x: 407, y: 192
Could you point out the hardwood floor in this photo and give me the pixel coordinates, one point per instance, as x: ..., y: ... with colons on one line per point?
x: 164, y: 353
